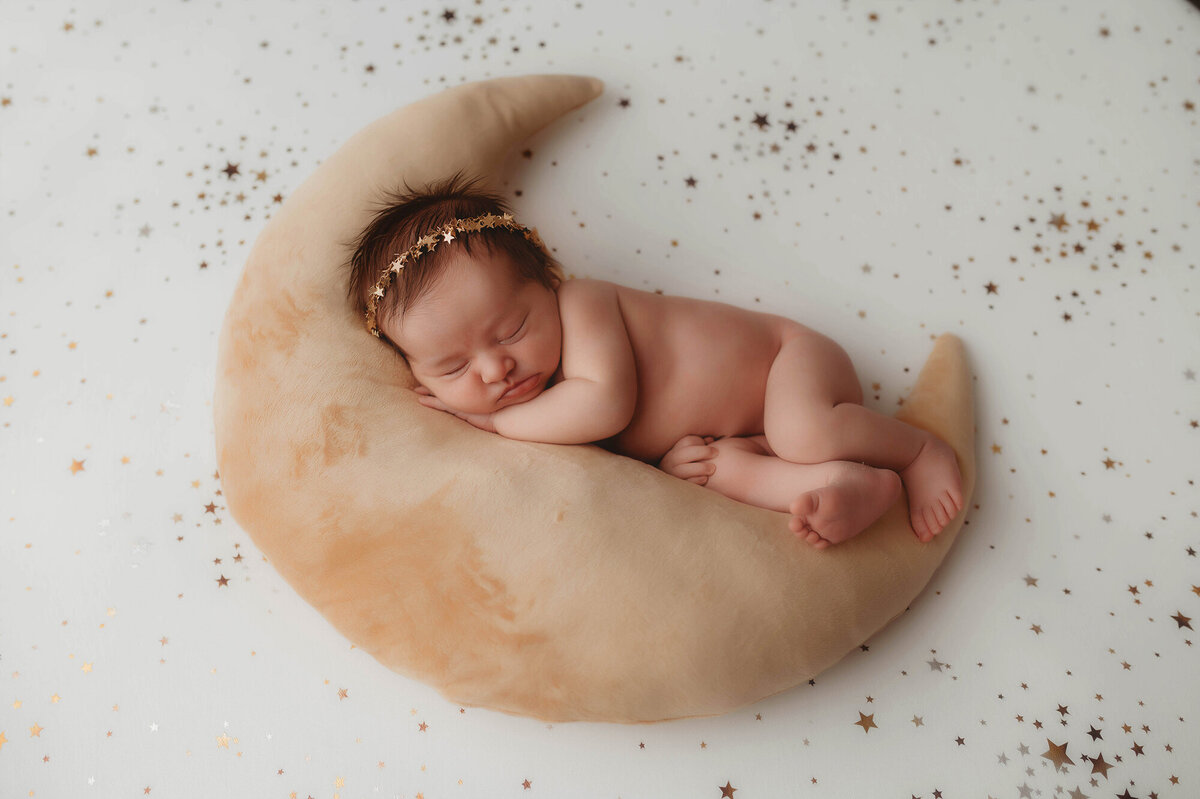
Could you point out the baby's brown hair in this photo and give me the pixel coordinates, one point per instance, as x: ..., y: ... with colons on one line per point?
x: 406, y: 216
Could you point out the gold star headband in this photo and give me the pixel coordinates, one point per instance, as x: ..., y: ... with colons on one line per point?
x: 429, y: 242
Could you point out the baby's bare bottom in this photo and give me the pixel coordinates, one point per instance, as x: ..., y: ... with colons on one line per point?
x: 830, y: 502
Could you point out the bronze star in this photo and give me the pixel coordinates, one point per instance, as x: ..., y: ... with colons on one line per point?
x: 866, y: 722
x: 1098, y: 764
x: 1057, y: 754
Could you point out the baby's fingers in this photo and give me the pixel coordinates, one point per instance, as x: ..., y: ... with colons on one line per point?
x: 688, y: 471
x: 698, y: 453
x: 432, y: 402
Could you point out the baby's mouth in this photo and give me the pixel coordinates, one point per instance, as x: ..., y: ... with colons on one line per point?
x: 520, y: 388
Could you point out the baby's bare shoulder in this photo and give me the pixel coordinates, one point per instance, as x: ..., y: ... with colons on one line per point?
x: 595, y: 341
x: 577, y: 285
x: 585, y: 297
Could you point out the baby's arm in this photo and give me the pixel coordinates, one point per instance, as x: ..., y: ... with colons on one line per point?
x: 598, y: 394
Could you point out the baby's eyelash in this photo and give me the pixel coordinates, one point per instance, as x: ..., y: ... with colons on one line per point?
x: 518, y: 330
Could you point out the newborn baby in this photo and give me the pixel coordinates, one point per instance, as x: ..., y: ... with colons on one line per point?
x: 755, y: 406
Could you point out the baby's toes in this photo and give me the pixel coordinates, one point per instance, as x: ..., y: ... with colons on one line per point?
x: 949, y: 507
x: 956, y: 501
x: 932, y: 521
x: 919, y: 526
x: 939, y: 515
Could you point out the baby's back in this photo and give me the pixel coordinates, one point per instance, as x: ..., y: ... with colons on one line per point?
x: 701, y: 366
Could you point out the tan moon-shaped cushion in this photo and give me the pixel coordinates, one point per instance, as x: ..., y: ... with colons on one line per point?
x: 553, y: 581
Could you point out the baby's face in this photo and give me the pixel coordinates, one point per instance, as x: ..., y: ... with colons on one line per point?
x: 478, y: 332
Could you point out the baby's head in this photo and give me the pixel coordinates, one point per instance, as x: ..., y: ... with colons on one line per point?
x: 474, y: 315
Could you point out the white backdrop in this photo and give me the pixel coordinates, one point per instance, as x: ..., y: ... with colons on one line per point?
x: 1021, y: 174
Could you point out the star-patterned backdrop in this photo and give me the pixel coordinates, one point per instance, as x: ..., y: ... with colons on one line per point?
x: 1021, y: 174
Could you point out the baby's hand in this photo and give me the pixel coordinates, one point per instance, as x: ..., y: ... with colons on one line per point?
x: 484, y: 421
x: 688, y: 459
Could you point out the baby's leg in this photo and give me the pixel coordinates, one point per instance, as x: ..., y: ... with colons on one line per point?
x: 813, y: 414
x: 829, y: 502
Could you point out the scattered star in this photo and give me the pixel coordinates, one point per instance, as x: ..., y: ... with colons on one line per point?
x: 1057, y: 754
x: 866, y: 722
x: 1099, y: 765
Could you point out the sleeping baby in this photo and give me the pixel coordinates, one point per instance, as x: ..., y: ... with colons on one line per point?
x: 754, y: 406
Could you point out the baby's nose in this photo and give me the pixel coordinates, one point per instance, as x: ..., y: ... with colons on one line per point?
x: 498, y: 369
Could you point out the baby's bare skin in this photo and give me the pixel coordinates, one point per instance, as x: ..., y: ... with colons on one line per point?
x: 755, y: 406
x: 728, y: 373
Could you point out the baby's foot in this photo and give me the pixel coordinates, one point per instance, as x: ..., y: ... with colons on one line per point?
x: 855, y: 496
x: 934, y: 488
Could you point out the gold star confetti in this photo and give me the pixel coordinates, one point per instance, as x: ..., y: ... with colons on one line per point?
x: 1098, y: 765
x: 1057, y: 754
x: 866, y: 722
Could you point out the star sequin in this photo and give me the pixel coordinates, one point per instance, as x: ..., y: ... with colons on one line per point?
x: 866, y: 722
x: 1057, y: 754
x: 1099, y: 765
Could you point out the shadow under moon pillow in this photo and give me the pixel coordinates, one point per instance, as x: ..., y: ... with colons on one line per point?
x: 553, y: 581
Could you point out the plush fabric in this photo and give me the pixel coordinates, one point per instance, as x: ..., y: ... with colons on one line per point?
x: 559, y: 582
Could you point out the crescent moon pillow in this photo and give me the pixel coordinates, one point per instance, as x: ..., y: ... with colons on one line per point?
x: 553, y: 581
